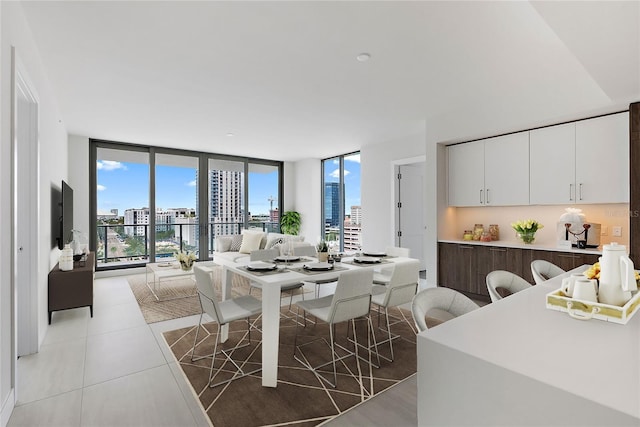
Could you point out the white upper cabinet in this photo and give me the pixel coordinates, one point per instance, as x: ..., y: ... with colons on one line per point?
x: 602, y: 159
x: 552, y: 163
x: 581, y: 162
x: 466, y: 174
x: 506, y: 170
x: 493, y: 172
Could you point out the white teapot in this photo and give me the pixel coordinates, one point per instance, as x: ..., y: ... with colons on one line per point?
x: 617, y: 276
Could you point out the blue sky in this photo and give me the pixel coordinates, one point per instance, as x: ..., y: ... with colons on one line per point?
x: 126, y: 185
x: 351, y: 179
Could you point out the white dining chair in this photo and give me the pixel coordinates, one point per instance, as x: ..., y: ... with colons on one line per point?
x: 351, y: 300
x: 401, y: 289
x: 543, y: 270
x: 447, y: 300
x: 270, y: 255
x: 223, y: 313
x: 510, y: 282
x: 383, y: 276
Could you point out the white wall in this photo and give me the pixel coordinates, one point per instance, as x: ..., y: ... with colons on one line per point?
x: 307, y: 187
x: 377, y: 169
x: 79, y: 181
x: 53, y: 169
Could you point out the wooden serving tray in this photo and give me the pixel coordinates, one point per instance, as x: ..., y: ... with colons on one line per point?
x: 584, y: 310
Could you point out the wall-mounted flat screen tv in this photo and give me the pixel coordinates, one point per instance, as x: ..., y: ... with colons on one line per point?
x: 66, y: 219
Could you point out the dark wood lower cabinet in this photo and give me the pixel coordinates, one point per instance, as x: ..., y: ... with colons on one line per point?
x: 464, y: 267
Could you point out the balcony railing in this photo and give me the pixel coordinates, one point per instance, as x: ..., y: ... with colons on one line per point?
x: 127, y: 245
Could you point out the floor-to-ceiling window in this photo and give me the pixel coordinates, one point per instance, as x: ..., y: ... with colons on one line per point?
x: 341, y: 208
x: 264, y: 182
x: 151, y: 202
x: 122, y: 205
x: 176, y: 185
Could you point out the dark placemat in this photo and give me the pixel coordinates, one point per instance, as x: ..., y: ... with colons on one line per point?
x: 312, y: 272
x: 264, y: 272
x: 368, y: 264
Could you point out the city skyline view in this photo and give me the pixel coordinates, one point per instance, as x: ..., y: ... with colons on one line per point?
x: 125, y: 185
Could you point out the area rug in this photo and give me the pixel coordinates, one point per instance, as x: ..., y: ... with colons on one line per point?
x: 300, y: 399
x: 179, y: 295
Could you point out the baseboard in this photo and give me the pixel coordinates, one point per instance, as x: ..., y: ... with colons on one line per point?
x: 7, y: 408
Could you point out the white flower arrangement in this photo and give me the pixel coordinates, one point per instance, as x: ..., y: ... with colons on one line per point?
x: 186, y: 259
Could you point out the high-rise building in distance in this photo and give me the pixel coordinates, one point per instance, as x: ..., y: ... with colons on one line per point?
x: 331, y: 204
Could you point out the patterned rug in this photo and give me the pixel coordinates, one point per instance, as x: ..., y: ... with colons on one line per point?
x: 178, y: 295
x: 300, y: 399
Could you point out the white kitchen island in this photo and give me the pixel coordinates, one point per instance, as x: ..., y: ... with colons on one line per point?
x: 516, y: 362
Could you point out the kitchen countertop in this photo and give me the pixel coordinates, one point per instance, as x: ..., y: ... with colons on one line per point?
x: 520, y: 245
x: 515, y: 362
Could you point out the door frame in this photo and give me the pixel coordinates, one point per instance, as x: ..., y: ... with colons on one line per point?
x: 24, y: 182
x: 395, y: 164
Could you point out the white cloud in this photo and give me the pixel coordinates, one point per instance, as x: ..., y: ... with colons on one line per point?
x: 192, y: 183
x: 110, y: 165
x: 336, y: 173
x: 354, y: 158
x: 101, y: 187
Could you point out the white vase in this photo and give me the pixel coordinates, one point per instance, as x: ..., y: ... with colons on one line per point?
x: 66, y: 258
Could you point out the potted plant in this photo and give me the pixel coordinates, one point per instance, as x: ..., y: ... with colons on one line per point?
x: 290, y: 223
x: 323, y: 251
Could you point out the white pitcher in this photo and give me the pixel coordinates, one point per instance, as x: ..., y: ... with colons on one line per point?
x: 617, y: 278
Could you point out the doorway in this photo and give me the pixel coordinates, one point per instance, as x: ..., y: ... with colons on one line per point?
x: 25, y: 208
x: 409, y: 206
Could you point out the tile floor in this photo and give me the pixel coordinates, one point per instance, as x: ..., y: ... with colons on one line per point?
x: 109, y: 370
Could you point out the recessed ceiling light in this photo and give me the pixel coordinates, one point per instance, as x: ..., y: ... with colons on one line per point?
x: 229, y: 134
x: 363, y: 57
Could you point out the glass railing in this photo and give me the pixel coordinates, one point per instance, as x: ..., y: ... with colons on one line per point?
x: 127, y: 245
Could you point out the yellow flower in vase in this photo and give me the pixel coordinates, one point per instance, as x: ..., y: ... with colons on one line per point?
x: 526, y: 229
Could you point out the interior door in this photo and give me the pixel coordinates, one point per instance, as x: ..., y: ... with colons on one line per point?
x: 25, y: 217
x: 410, y: 223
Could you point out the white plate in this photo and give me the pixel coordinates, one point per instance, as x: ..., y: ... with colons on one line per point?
x: 367, y: 259
x: 261, y: 266
x: 374, y: 254
x: 164, y: 264
x: 287, y: 258
x: 318, y: 266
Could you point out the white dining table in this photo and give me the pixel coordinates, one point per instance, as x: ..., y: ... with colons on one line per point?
x: 271, y: 285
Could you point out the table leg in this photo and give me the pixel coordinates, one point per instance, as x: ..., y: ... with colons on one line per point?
x: 270, y: 334
x: 227, y: 278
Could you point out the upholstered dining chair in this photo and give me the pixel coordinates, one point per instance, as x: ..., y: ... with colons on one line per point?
x: 448, y: 300
x: 543, y: 270
x: 398, y: 251
x: 506, y: 280
x: 269, y: 255
x: 223, y: 313
x: 305, y: 250
x: 351, y: 300
x: 383, y: 276
x: 401, y: 289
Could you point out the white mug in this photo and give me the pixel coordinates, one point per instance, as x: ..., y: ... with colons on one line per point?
x: 568, y: 283
x: 585, y: 289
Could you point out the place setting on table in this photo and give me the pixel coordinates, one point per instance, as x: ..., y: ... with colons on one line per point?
x: 367, y: 258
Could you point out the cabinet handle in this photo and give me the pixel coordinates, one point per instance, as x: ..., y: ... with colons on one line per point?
x: 481, y: 196
x: 465, y: 247
x: 570, y: 191
x: 580, y: 191
x: 488, y: 196
x: 497, y: 250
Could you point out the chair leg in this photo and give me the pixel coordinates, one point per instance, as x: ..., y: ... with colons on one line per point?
x: 333, y: 355
x: 195, y: 341
x: 240, y: 373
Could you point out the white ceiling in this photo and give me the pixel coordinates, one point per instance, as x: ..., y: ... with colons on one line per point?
x: 283, y: 78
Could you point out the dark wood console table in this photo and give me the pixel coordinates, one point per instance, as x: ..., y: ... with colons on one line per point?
x: 73, y: 288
